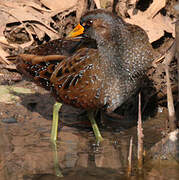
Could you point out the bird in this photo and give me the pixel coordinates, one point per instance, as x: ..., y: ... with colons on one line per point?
x: 98, y: 66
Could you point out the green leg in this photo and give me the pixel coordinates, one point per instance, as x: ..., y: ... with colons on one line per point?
x: 54, y: 131
x: 94, y: 125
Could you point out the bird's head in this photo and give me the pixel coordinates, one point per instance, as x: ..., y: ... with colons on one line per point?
x: 98, y: 25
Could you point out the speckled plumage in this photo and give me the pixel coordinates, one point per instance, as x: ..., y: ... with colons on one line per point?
x: 88, y: 76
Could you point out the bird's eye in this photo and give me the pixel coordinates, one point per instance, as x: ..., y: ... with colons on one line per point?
x: 87, y: 24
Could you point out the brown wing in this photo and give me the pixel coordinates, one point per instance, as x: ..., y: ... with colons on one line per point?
x: 39, y: 63
x: 78, y: 79
x: 74, y: 76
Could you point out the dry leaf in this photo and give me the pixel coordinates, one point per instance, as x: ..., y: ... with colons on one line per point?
x: 154, y: 24
x: 3, y: 56
x: 41, y: 27
x: 3, y: 22
x: 105, y: 3
x: 36, y: 6
x: 155, y: 7
x: 59, y: 5
x: 81, y: 8
x: 98, y: 4
x: 24, y: 11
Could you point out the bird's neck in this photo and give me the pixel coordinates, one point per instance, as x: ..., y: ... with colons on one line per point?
x: 123, y: 55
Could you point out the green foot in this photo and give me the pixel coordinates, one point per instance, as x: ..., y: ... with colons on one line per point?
x: 55, y: 159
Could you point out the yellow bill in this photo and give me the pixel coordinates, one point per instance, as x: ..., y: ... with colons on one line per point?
x: 78, y: 30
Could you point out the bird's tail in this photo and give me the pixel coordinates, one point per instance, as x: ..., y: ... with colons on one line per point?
x: 38, y: 68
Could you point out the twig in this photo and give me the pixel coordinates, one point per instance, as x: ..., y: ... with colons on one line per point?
x: 140, y: 137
